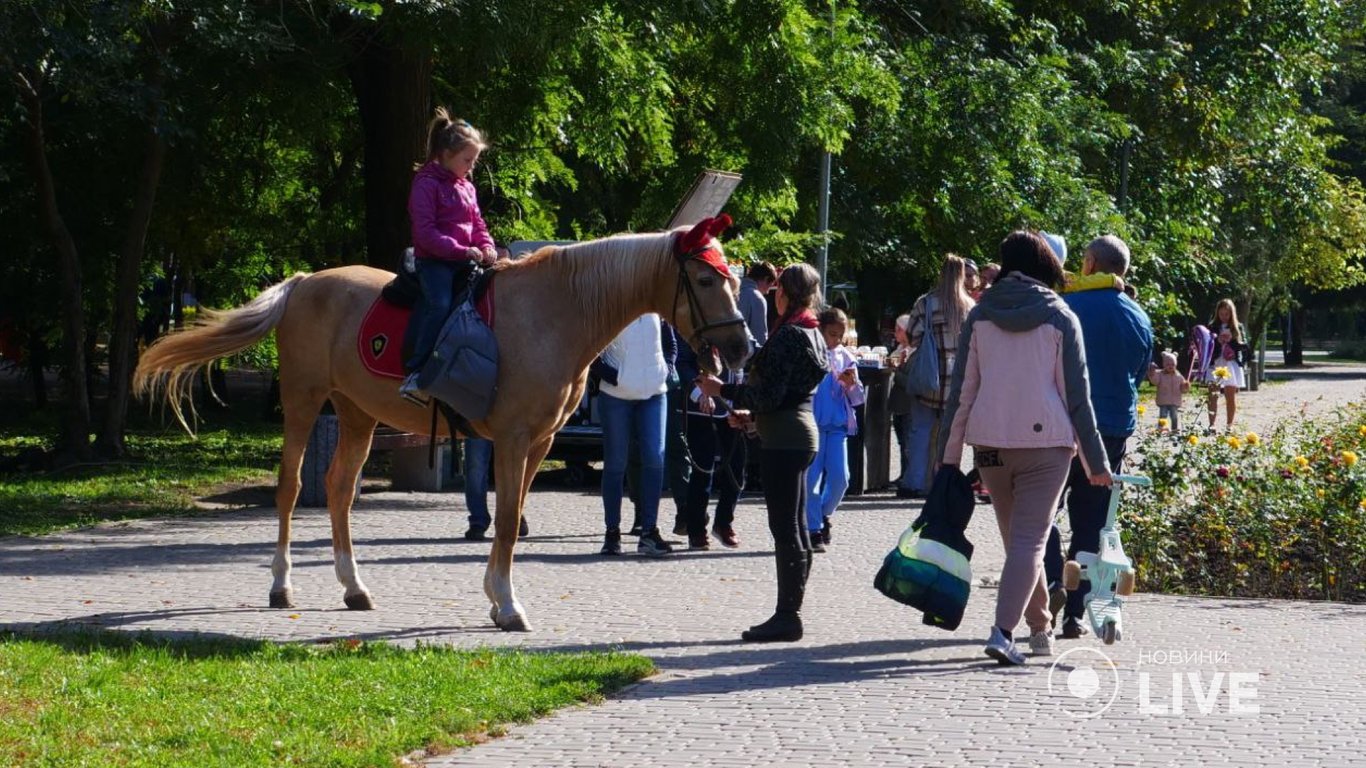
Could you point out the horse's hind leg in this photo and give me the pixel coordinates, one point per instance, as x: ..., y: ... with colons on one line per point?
x: 353, y: 446
x: 301, y: 410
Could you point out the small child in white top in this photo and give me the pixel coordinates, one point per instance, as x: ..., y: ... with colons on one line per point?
x: 1170, y: 386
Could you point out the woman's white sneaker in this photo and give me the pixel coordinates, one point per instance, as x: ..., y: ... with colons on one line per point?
x: 1041, y: 643
x: 1003, y: 649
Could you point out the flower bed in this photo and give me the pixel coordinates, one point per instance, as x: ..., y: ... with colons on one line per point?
x: 1280, y: 515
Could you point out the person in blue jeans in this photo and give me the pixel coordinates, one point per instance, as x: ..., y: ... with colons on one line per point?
x: 477, y: 465
x: 631, y: 401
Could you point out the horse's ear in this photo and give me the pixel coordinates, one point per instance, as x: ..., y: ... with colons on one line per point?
x: 703, y: 231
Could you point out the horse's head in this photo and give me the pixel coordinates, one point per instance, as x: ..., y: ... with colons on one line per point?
x: 705, y: 310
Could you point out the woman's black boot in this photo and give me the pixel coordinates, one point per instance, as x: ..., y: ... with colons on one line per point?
x: 783, y: 627
x: 786, y: 623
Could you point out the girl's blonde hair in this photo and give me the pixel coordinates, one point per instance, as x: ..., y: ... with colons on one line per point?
x: 1232, y: 320
x: 952, y: 298
x: 447, y: 134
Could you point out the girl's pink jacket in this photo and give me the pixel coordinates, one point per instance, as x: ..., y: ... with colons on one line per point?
x: 445, y: 215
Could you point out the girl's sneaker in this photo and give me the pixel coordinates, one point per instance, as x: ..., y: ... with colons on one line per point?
x: 1041, y: 643
x: 653, y: 545
x: 1002, y: 649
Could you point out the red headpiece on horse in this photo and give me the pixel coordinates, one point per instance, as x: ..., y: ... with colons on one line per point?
x: 697, y: 243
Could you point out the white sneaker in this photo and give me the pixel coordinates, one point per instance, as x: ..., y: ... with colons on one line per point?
x: 1003, y: 650
x: 1041, y: 643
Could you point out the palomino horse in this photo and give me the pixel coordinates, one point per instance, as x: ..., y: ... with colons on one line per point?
x: 556, y: 310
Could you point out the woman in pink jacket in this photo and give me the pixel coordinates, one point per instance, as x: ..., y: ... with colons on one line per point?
x: 1020, y: 396
x: 449, y: 234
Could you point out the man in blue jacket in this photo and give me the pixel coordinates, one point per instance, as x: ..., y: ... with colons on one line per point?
x: 1119, y: 348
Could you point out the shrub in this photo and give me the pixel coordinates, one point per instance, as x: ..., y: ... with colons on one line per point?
x: 1279, y: 515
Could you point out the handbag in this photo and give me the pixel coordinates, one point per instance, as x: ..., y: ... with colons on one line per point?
x: 930, y: 569
x: 922, y: 370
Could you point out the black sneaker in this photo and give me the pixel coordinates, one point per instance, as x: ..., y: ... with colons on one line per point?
x: 825, y: 532
x: 1057, y: 600
x: 817, y: 543
x: 477, y: 533
x: 680, y: 527
x: 700, y: 542
x: 1072, y: 629
x: 611, y: 543
x: 635, y: 530
x: 653, y: 545
x: 523, y: 530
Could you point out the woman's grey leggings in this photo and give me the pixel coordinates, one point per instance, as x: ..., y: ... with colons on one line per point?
x: 1025, y: 484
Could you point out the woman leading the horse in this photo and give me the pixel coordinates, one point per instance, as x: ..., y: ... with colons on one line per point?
x: 777, y: 394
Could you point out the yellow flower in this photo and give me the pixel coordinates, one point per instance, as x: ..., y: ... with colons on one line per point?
x: 1362, y: 504
x: 1318, y: 492
x: 1193, y: 440
x: 1253, y: 438
x: 1361, y: 431
x: 1142, y: 410
x: 1349, y: 458
x: 1301, y: 462
x: 1163, y: 423
x: 1233, y: 441
x: 1221, y: 372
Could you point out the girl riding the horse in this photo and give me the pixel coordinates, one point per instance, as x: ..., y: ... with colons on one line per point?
x: 449, y: 235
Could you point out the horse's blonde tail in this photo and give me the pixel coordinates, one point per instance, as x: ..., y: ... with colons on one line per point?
x: 169, y: 366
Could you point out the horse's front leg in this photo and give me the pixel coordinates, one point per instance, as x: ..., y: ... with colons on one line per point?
x: 513, y: 467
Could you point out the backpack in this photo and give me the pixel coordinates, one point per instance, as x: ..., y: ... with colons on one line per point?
x: 923, y: 376
x: 463, y: 368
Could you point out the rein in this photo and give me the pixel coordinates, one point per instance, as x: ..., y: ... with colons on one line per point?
x: 697, y: 317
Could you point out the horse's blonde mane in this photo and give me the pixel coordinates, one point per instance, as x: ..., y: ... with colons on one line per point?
x: 590, y: 270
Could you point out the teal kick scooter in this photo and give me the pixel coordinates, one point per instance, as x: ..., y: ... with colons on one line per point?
x: 1110, y: 571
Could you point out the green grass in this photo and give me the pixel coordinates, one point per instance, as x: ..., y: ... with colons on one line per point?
x: 167, y: 473
x: 138, y: 701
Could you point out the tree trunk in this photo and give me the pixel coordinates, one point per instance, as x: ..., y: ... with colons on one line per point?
x: 74, y: 442
x: 1295, y: 356
x: 37, y: 367
x: 124, y: 337
x: 393, y: 87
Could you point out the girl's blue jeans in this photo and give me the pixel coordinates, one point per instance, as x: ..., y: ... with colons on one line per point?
x: 437, y: 279
x: 832, y: 463
x: 620, y: 420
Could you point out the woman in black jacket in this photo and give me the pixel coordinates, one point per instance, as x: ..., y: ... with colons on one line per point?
x: 776, y: 397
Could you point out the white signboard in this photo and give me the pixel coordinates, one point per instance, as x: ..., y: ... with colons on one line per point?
x: 709, y: 194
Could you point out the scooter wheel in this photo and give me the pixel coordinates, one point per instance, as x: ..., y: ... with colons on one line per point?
x: 1127, y: 581
x: 1109, y: 633
x: 1071, y: 575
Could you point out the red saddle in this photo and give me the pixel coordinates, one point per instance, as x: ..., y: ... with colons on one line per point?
x: 380, y: 340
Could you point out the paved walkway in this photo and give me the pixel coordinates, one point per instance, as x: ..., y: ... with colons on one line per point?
x: 868, y: 686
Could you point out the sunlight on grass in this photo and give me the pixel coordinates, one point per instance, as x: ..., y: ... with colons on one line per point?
x: 114, y: 700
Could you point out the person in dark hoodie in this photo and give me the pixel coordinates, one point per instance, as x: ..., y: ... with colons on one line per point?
x: 1020, y: 396
x: 780, y: 381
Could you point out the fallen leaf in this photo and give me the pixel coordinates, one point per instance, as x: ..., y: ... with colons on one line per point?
x: 293, y: 615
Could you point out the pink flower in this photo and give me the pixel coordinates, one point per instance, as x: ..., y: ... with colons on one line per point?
x: 1222, y: 471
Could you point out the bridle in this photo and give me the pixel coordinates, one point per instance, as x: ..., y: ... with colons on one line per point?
x: 695, y: 313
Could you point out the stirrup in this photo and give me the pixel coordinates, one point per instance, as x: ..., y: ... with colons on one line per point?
x: 416, y: 398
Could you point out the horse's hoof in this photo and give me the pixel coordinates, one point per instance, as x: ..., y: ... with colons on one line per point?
x: 514, y: 623
x: 359, y: 602
x: 282, y: 599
